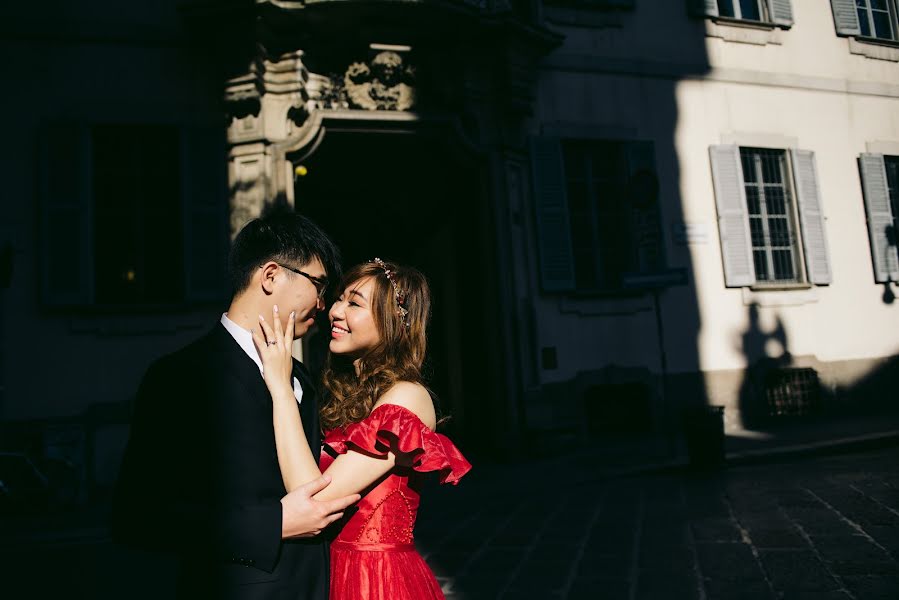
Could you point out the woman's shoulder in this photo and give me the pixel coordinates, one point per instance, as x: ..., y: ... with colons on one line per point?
x: 413, y: 397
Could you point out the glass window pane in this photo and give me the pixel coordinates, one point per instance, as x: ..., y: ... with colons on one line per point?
x: 863, y: 22
x: 726, y: 8
x: 752, y: 200
x: 750, y: 10
x: 774, y: 200
x: 783, y: 265
x: 137, y: 203
x: 747, y: 158
x: 760, y: 261
x: 757, y: 232
x: 772, y: 162
x: 882, y: 27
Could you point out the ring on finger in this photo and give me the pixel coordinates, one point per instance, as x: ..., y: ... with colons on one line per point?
x: 272, y: 343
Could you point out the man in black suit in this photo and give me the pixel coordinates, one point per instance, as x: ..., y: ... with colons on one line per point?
x: 200, y: 476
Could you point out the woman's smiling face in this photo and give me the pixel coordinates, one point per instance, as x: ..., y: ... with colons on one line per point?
x: 353, y: 329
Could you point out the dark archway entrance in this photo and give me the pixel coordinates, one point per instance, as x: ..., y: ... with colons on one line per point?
x: 418, y: 200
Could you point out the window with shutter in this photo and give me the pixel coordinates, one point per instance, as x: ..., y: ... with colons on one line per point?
x: 880, y: 184
x: 131, y: 216
x: 877, y: 19
x: 768, y: 206
x: 551, y: 205
x: 873, y: 19
x: 778, y: 12
x: 613, y: 224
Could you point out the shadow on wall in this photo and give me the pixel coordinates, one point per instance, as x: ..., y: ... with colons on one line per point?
x: 633, y: 287
x: 779, y: 388
x: 753, y: 401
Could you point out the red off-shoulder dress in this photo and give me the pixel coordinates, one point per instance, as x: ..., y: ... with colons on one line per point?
x: 373, y: 557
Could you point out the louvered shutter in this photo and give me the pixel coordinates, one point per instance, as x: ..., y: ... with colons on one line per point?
x: 733, y: 221
x: 66, y: 224
x: 205, y: 205
x: 703, y: 8
x: 551, y: 203
x: 811, y: 217
x: 780, y: 12
x: 884, y: 253
x: 845, y: 17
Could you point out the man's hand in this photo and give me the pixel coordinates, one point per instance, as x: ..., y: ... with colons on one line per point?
x: 303, y: 516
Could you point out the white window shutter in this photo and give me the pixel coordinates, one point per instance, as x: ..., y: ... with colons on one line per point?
x: 551, y: 203
x: 733, y: 221
x: 884, y: 253
x: 811, y: 217
x: 780, y: 12
x: 204, y: 200
x: 66, y: 221
x: 845, y: 17
x: 703, y: 8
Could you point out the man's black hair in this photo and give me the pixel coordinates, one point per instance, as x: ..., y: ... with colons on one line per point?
x: 284, y: 237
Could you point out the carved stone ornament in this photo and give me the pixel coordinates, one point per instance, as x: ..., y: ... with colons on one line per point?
x: 384, y: 84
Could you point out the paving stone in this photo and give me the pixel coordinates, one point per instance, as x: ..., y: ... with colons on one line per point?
x: 878, y: 587
x: 653, y: 585
x: 820, y: 521
x: 604, y: 565
x: 593, y: 588
x: 776, y: 538
x: 556, y: 570
x: 853, y: 555
x: 448, y: 563
x: 796, y: 498
x: 468, y: 588
x: 536, y: 584
x: 669, y: 557
x: 792, y: 570
x: 737, y: 590
x: 888, y: 537
x: 728, y: 561
x: 514, y: 537
x: 715, y: 529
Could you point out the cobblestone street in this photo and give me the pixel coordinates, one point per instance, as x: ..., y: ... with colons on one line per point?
x: 823, y: 528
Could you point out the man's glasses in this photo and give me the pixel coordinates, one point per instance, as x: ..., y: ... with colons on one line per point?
x: 321, y: 285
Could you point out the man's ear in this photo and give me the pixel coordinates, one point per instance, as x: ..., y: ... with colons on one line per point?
x: 267, y: 277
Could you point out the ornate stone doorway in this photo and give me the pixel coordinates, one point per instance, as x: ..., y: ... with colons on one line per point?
x: 411, y: 122
x: 416, y: 199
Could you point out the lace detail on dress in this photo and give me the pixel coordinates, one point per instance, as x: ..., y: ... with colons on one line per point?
x: 394, y: 520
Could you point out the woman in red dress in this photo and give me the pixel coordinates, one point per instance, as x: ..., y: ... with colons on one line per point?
x: 379, y: 420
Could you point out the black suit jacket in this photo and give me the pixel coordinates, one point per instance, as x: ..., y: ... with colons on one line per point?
x: 200, y: 477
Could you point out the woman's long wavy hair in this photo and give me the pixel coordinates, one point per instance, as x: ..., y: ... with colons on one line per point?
x: 399, y: 354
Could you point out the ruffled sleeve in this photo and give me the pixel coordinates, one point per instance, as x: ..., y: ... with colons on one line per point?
x: 393, y: 427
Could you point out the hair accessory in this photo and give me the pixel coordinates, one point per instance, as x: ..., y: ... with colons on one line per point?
x: 397, y: 292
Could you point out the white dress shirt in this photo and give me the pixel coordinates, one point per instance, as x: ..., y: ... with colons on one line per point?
x: 244, y: 339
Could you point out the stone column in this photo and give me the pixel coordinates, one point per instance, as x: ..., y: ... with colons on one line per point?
x: 264, y: 105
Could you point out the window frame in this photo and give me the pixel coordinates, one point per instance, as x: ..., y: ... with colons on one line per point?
x: 604, y: 286
x: 792, y: 218
x: 554, y: 236
x: 84, y: 299
x: 773, y: 14
x: 762, y: 5
x: 893, y: 15
x: 732, y: 207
